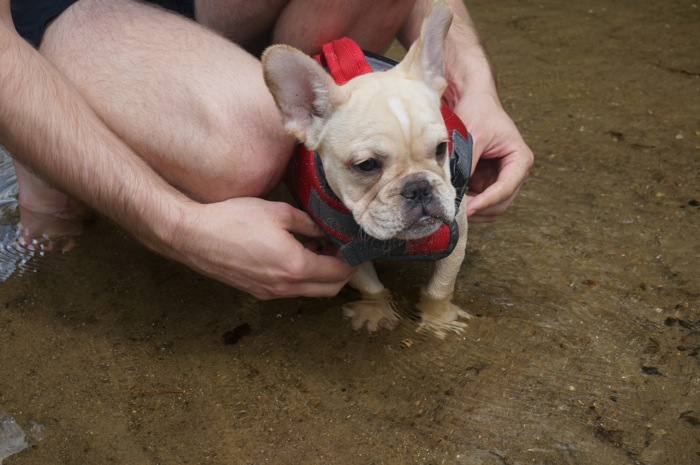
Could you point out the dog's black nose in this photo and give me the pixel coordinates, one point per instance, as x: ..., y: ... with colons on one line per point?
x: 417, y: 191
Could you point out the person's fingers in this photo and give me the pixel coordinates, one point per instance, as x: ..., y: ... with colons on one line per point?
x: 304, y: 265
x: 298, y: 222
x: 311, y: 289
x: 317, y: 276
x: 304, y: 289
x: 321, y: 246
x: 480, y: 208
x: 496, y: 198
x: 481, y: 218
x: 326, y: 268
x: 313, y: 266
x: 496, y: 194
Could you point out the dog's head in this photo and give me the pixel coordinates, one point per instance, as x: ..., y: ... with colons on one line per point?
x: 381, y: 137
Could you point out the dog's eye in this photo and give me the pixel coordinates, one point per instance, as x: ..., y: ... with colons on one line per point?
x: 440, y: 150
x: 368, y: 165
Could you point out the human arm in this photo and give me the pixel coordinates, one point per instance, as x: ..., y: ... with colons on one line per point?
x: 501, y: 158
x: 247, y: 243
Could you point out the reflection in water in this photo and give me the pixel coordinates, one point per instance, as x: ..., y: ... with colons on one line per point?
x: 15, y: 256
x: 12, y: 438
x: 8, y: 182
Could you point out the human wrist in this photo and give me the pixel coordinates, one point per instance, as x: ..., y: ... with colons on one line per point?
x: 467, y: 66
x: 468, y: 72
x: 166, y: 224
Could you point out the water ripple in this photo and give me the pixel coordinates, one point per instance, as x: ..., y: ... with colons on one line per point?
x: 15, y: 257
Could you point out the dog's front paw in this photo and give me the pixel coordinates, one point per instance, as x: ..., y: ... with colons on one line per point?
x: 440, y: 316
x: 374, y: 310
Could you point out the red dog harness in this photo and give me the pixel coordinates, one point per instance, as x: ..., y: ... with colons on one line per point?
x: 306, y: 180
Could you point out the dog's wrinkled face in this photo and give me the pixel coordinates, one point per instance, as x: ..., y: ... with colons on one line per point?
x: 381, y: 137
x: 384, y: 152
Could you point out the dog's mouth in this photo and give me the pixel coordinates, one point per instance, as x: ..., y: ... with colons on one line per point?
x: 422, y: 227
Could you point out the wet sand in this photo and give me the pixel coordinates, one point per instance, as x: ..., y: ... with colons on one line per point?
x: 584, y: 348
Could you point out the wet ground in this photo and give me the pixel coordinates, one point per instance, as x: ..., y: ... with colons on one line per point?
x: 585, y: 345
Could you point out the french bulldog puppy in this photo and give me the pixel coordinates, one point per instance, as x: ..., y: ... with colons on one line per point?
x: 382, y: 139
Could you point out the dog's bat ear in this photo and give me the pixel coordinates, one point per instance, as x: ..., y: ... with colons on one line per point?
x: 426, y: 57
x: 304, y: 92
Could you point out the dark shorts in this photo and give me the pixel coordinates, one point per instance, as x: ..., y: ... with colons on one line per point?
x: 32, y: 16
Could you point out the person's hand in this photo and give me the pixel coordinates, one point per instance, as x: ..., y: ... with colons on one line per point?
x: 502, y: 157
x: 250, y: 243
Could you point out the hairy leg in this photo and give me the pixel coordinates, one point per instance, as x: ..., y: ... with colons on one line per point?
x: 189, y: 102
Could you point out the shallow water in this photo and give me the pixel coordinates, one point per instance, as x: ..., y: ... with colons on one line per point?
x: 584, y: 349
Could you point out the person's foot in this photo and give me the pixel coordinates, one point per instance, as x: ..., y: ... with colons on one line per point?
x: 49, y: 219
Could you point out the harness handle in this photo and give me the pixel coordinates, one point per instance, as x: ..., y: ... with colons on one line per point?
x: 344, y: 60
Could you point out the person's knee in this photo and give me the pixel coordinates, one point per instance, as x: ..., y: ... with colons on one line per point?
x: 241, y: 158
x: 257, y: 172
x: 371, y: 23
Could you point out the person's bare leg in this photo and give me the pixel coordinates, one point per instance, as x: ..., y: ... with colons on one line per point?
x: 373, y: 24
x: 188, y: 101
x: 305, y: 24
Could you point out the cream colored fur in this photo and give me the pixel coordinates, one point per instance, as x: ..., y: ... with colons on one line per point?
x: 389, y: 122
